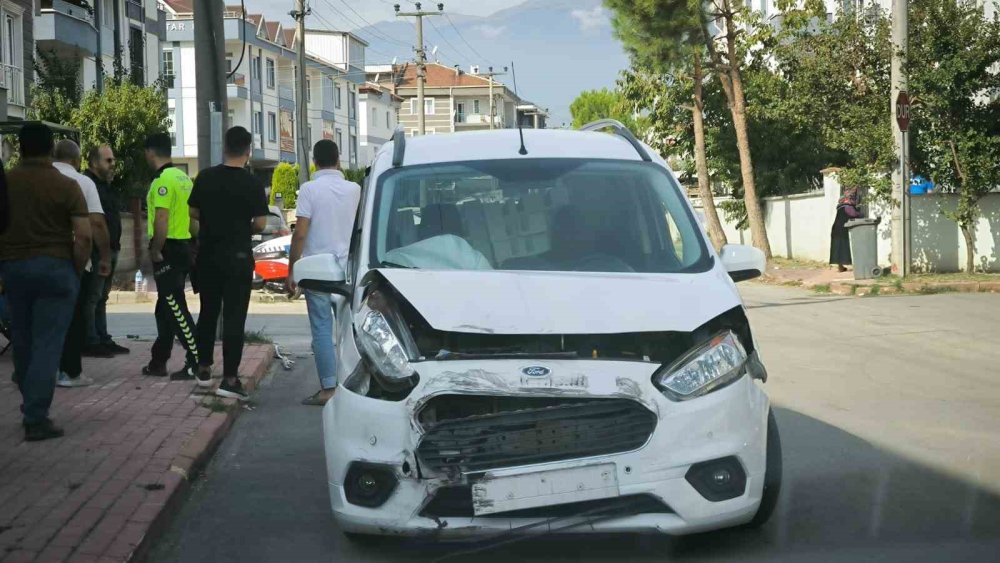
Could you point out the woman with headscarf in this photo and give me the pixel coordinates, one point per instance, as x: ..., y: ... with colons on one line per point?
x: 840, y: 242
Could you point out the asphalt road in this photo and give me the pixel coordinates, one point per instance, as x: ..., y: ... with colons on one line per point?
x: 890, y: 422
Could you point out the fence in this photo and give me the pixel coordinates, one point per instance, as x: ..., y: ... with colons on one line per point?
x: 798, y: 226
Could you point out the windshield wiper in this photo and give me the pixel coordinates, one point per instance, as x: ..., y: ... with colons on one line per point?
x: 503, y: 353
x: 385, y: 264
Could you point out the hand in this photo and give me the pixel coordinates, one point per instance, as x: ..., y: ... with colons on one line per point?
x: 104, y: 268
x: 290, y: 284
x: 156, y: 256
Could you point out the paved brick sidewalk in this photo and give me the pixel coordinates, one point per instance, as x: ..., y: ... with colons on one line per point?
x: 131, y: 442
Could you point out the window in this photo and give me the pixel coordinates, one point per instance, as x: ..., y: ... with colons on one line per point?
x: 270, y: 73
x: 554, y: 215
x: 272, y: 126
x: 354, y: 151
x: 257, y: 119
x: 12, y: 76
x: 229, y: 62
x: 167, y: 67
x: 255, y: 68
x: 336, y: 96
x: 460, y: 112
x: 428, y: 106
x: 340, y: 140
x: 108, y: 13
x: 172, y: 128
x: 475, y: 107
x: 352, y: 105
x: 309, y: 91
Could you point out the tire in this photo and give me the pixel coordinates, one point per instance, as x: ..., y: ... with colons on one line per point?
x: 772, y: 475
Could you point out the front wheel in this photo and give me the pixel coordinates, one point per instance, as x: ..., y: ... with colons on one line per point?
x: 772, y: 475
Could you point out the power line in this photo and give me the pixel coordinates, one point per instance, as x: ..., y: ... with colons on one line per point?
x: 443, y: 38
x: 370, y: 29
x: 333, y: 28
x: 462, y: 37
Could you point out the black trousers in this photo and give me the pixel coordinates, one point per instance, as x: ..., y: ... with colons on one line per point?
x: 71, y: 361
x: 224, y: 284
x: 173, y: 319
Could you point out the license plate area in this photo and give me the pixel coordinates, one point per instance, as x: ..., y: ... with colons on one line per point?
x: 256, y: 237
x: 498, y: 492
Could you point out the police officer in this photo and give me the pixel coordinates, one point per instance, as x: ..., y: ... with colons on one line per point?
x: 170, y: 232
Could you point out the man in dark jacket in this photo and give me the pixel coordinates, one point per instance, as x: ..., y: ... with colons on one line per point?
x: 101, y: 169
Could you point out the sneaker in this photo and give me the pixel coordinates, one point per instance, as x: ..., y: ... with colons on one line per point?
x: 204, y: 376
x: 96, y: 351
x: 115, y: 348
x: 44, y: 430
x: 232, y: 390
x: 64, y: 380
x: 319, y: 398
x: 155, y: 371
x: 186, y: 373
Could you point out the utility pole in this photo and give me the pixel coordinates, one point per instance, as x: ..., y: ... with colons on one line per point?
x: 421, y: 57
x: 900, y: 189
x: 493, y: 107
x: 301, y: 110
x: 210, y: 74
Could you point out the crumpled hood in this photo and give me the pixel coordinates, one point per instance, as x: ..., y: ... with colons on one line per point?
x: 564, y: 303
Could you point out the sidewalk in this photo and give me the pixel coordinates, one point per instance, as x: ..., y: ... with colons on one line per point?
x: 132, y: 442
x: 116, y: 297
x: 827, y: 279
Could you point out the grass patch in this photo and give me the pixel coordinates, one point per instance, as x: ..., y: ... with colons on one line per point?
x: 797, y: 264
x: 257, y: 337
x: 898, y: 284
x: 875, y: 290
x: 822, y: 288
x: 215, y: 405
x: 953, y: 277
x: 934, y: 290
x: 792, y: 283
x: 853, y: 290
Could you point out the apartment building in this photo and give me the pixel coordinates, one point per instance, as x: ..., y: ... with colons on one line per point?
x: 262, y: 62
x: 16, y: 56
x: 345, y: 52
x: 378, y: 109
x: 454, y: 100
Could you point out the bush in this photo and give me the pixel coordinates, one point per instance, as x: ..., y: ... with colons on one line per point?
x: 356, y: 175
x: 285, y: 180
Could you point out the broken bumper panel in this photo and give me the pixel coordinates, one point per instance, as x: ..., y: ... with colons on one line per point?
x: 727, y: 422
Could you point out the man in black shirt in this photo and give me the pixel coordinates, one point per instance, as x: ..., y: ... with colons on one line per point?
x: 230, y: 206
x: 101, y: 169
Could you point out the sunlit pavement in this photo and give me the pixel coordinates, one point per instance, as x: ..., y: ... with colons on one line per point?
x: 889, y: 414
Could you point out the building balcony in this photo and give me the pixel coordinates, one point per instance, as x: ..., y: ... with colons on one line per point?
x: 134, y: 11
x: 236, y: 86
x: 286, y: 93
x: 66, y: 25
x: 12, y: 79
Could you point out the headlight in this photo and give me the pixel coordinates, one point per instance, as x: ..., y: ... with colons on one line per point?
x: 386, y: 351
x: 719, y: 362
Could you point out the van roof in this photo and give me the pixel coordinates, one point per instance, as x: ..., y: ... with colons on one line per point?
x: 505, y: 143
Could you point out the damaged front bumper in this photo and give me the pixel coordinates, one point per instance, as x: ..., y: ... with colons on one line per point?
x: 436, y: 491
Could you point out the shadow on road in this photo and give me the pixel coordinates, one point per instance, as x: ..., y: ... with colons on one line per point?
x: 840, y: 494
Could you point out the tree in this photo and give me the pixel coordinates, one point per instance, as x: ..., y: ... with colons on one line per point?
x: 837, y: 77
x: 592, y: 105
x: 955, y: 128
x: 665, y: 30
x: 122, y: 116
x: 56, y: 92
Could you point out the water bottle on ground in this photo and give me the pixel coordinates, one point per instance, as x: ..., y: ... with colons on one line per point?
x: 140, y: 282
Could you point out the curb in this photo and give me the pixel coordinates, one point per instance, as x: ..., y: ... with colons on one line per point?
x: 130, y: 297
x: 861, y: 289
x: 194, y: 456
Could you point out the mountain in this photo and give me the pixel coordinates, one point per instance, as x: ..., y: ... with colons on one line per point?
x: 558, y: 48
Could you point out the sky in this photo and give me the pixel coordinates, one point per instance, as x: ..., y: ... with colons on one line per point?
x: 559, y: 47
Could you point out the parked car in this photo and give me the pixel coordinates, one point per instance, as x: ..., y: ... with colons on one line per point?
x: 541, y: 341
x: 271, y: 264
x: 276, y: 226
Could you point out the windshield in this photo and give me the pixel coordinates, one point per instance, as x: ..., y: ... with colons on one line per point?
x: 539, y: 215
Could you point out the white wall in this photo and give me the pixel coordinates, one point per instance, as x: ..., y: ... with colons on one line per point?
x: 799, y: 227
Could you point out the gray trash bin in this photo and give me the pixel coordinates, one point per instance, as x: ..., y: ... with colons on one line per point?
x: 864, y: 248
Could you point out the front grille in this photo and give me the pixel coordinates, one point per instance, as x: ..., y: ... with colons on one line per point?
x: 525, y: 431
x: 456, y: 502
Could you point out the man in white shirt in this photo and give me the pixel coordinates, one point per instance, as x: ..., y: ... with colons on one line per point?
x: 66, y: 159
x: 325, y: 215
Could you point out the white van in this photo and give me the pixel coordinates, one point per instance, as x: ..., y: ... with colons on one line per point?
x: 538, y: 337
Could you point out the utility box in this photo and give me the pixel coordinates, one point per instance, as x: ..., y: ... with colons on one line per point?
x: 864, y: 248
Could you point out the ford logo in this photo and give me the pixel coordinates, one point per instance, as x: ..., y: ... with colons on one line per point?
x: 536, y: 371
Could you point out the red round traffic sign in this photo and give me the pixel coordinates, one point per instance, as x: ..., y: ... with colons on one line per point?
x: 903, y: 111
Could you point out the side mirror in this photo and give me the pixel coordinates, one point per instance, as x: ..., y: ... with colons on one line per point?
x: 743, y: 262
x: 322, y: 273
